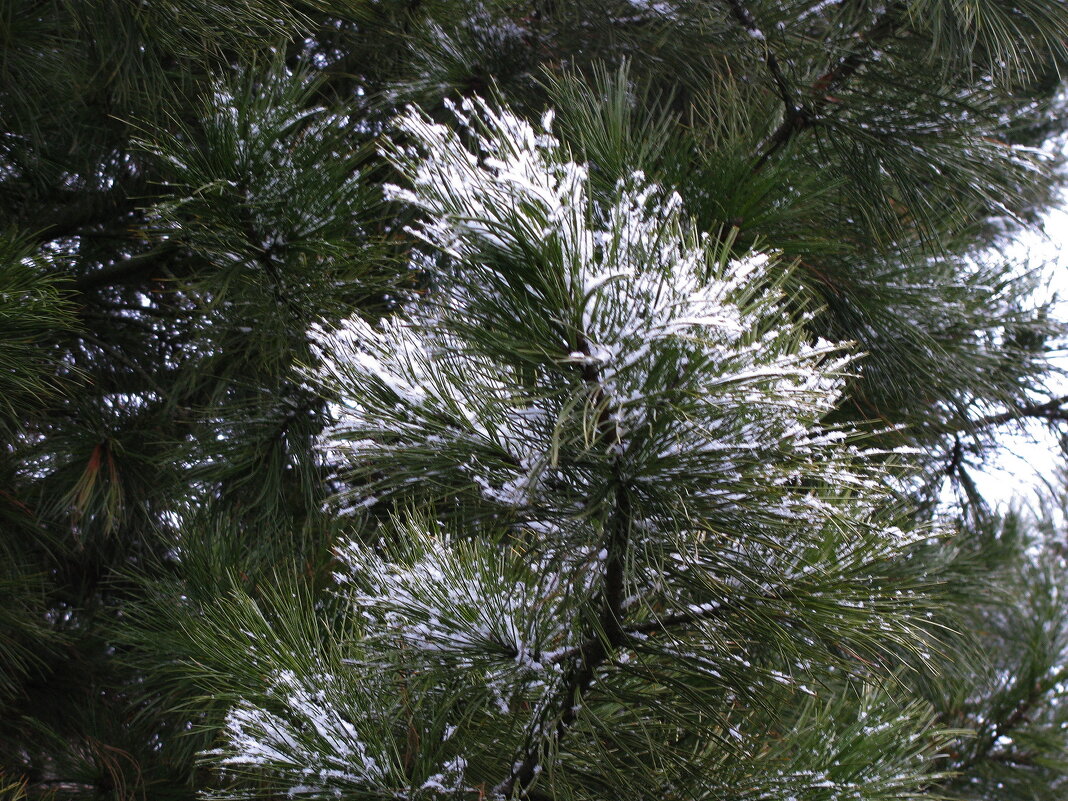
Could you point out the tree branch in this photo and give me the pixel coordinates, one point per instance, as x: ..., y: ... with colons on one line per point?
x: 595, y: 651
x: 745, y: 17
x: 82, y: 209
x: 1050, y: 410
x: 985, y: 742
x: 120, y: 271
x: 659, y: 625
x: 804, y: 117
x: 118, y: 355
x: 610, y: 633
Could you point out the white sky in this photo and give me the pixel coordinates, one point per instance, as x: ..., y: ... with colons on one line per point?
x: 1029, y: 455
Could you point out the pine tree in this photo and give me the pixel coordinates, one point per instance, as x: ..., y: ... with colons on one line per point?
x: 372, y: 432
x: 651, y: 540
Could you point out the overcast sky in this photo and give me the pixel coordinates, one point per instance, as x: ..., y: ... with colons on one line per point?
x: 1030, y: 457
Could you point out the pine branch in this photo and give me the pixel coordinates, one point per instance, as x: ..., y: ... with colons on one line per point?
x: 801, y: 118
x: 1050, y: 410
x: 126, y: 270
x: 611, y: 634
x: 659, y: 626
x: 1012, y: 758
x: 120, y: 356
x: 84, y: 209
x: 745, y: 17
x: 987, y: 741
x: 663, y: 625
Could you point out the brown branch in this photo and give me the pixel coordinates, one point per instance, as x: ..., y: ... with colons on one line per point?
x: 804, y: 117
x: 745, y: 17
x: 1050, y: 410
x: 77, y: 210
x: 120, y: 356
x: 593, y: 653
x: 659, y: 625
x: 610, y: 634
x: 120, y: 272
x: 1016, y: 758
x: 985, y: 746
x: 683, y: 619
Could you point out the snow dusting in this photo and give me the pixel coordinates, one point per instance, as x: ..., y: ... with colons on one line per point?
x: 583, y: 364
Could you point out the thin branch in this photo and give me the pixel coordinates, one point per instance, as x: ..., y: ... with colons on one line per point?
x: 1050, y: 410
x: 1015, y: 758
x: 595, y: 651
x: 1018, y: 715
x: 806, y: 116
x: 120, y: 272
x: 743, y: 15
x: 610, y: 633
x: 683, y: 619
x: 118, y: 355
x: 83, y: 209
x: 660, y: 625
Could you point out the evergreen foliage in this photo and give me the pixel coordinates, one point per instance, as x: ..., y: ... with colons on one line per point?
x: 417, y: 399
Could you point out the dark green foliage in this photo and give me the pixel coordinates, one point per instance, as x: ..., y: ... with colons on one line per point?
x: 190, y: 190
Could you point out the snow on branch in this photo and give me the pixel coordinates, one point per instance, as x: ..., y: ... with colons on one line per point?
x: 610, y: 437
x: 321, y: 737
x: 303, y: 735
x: 471, y: 603
x: 550, y: 300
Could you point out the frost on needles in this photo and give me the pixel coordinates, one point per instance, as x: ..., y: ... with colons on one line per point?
x: 621, y: 542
